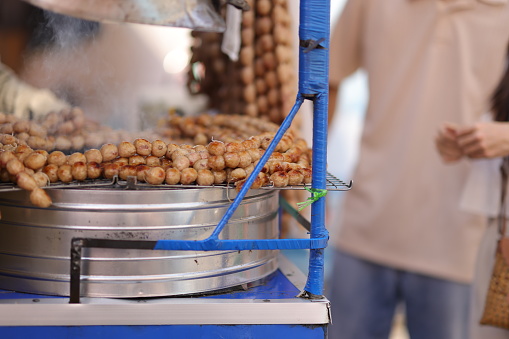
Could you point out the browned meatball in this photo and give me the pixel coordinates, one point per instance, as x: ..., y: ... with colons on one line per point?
x: 155, y: 176
x: 188, y: 176
x: 126, y: 149
x: 51, y: 171
x: 172, y: 176
x: 159, y: 148
x: 40, y: 198
x: 94, y: 155
x: 205, y: 177
x: 143, y: 146
x: 109, y: 152
x: 64, y: 173
x: 57, y: 158
x: 94, y: 170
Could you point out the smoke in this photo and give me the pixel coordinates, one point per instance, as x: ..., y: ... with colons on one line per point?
x: 60, y: 31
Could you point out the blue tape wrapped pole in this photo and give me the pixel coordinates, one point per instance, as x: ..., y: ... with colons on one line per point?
x: 314, y: 34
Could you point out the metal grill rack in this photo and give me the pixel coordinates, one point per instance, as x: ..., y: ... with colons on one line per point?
x: 333, y: 184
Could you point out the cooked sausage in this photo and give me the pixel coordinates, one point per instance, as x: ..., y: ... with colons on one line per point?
x: 40, y: 198
x: 93, y: 155
x: 143, y: 146
x: 126, y: 149
x: 127, y: 171
x: 244, y: 159
x: 181, y: 163
x: 155, y: 176
x: 188, y: 176
x: 205, y: 177
x: 153, y: 161
x: 202, y: 164
x: 121, y: 161
x: 41, y: 179
x: 109, y: 152
x: 219, y: 176
x: 159, y: 148
x: 94, y: 170
x: 172, y: 176
x: 110, y: 170
x: 79, y: 171
x: 140, y: 172
x: 137, y: 160
x: 295, y: 177
x: 64, y: 173
x: 279, y: 179
x: 51, y: 171
x: 216, y: 148
x: 57, y: 158
x: 216, y: 162
x: 35, y: 161
x: 14, y: 166
x: 25, y: 181
x: 5, y: 156
x: 231, y: 160
x: 76, y: 157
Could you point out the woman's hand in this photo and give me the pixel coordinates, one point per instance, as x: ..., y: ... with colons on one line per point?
x: 447, y: 143
x: 484, y: 140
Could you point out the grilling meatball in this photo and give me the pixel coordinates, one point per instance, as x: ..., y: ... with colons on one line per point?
x: 40, y: 198
x: 57, y: 158
x: 14, y: 166
x: 51, y: 171
x: 155, y: 176
x: 126, y: 149
x: 93, y: 155
x: 188, y: 176
x: 64, y: 173
x: 205, y: 177
x: 94, y: 170
x: 143, y: 146
x: 25, y: 181
x: 159, y: 148
x: 172, y: 176
x: 76, y: 157
x: 35, y: 161
x: 41, y: 179
x: 127, y: 171
x: 140, y: 172
x: 109, y: 152
x: 79, y: 171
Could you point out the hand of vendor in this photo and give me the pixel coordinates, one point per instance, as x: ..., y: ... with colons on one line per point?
x: 24, y: 100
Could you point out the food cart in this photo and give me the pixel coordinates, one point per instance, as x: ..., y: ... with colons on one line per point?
x: 257, y: 293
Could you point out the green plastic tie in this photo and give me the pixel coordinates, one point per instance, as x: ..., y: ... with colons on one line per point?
x: 316, y: 193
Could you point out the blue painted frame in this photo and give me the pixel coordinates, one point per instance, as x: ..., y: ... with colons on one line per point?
x: 314, y: 35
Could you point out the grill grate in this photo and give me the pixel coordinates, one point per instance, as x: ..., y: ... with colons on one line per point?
x: 333, y: 184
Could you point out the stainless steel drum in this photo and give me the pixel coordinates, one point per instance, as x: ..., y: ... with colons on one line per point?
x: 35, y: 242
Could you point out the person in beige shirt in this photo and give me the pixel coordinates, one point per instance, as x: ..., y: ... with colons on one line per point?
x: 485, y: 143
x: 402, y: 236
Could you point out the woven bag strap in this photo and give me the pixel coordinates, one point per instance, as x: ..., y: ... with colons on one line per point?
x: 502, y: 220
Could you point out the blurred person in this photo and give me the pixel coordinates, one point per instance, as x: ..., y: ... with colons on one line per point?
x: 402, y: 239
x: 487, y: 140
x: 23, y: 100
x: 26, y: 30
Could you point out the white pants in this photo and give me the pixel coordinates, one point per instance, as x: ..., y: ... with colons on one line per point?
x: 483, y: 270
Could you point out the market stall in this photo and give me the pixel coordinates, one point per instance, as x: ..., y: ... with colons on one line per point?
x: 195, y: 257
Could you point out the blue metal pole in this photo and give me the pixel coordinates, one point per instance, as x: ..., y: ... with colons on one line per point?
x: 314, y: 34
